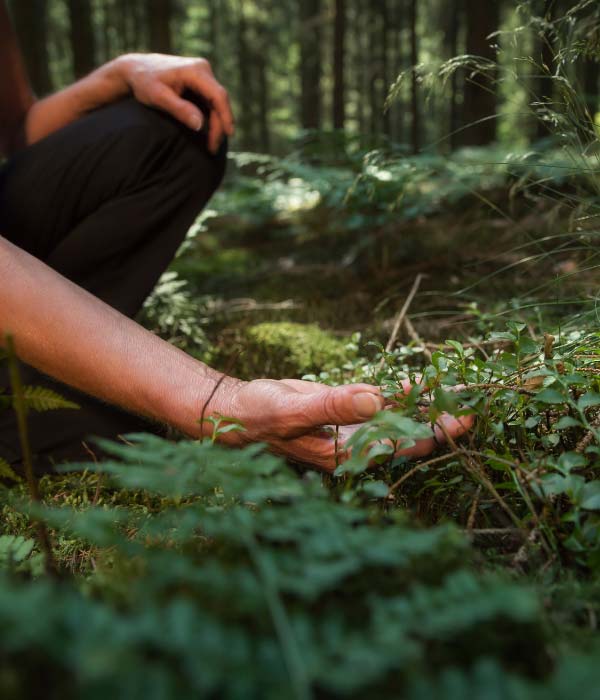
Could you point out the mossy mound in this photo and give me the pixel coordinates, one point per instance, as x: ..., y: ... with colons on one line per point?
x: 287, y: 349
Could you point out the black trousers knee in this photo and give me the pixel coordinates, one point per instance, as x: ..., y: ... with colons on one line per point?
x: 106, y: 202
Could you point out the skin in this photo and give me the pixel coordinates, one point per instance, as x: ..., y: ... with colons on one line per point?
x: 115, y: 359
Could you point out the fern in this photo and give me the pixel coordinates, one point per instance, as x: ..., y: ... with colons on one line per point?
x: 7, y: 472
x: 41, y: 398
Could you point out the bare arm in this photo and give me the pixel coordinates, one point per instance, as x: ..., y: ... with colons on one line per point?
x: 71, y: 335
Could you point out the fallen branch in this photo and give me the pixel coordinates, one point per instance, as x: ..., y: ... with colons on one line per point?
x: 401, y: 314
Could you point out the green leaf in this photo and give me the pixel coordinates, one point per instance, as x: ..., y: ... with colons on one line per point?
x: 565, y: 422
x: 571, y: 460
x: 590, y: 497
x: 551, y: 396
x: 375, y: 489
x: 590, y: 398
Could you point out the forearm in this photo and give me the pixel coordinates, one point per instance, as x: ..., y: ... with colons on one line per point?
x: 71, y: 335
x: 106, y: 84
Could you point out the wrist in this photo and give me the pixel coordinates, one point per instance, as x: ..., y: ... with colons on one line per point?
x: 118, y: 73
x: 207, y: 394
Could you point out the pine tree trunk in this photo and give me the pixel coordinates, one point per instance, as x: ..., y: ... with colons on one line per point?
x: 452, y: 40
x: 385, y: 70
x: 31, y: 22
x: 398, y: 109
x: 359, y: 64
x: 83, y: 39
x: 414, y: 96
x: 544, y: 88
x: 215, y: 34
x: 374, y: 68
x: 245, y: 92
x: 262, y: 63
x: 159, y: 21
x: 339, y: 59
x: 310, y: 64
x: 479, y: 105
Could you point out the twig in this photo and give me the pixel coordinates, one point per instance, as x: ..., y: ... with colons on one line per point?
x: 419, y: 466
x: 479, y: 474
x: 401, y: 315
x: 410, y: 329
x: 21, y: 412
x: 100, y: 475
x: 590, y: 436
x: 473, y: 510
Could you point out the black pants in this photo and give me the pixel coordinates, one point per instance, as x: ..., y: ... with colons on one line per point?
x: 105, y: 201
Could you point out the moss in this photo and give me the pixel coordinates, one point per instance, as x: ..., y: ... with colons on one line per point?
x: 290, y: 350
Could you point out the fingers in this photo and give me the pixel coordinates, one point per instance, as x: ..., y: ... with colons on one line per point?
x: 216, y: 132
x: 203, y: 82
x: 185, y: 111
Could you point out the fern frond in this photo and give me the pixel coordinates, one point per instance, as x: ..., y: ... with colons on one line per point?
x: 7, y: 472
x: 40, y: 398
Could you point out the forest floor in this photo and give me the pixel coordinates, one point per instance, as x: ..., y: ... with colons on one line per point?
x: 301, y: 269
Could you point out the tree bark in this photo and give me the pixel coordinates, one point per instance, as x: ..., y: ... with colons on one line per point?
x: 262, y: 63
x: 160, y: 13
x: 385, y: 65
x: 339, y: 60
x: 310, y: 64
x: 83, y: 39
x: 415, y: 136
x: 246, y: 112
x: 544, y: 87
x: 31, y: 23
x: 374, y: 69
x: 479, y: 105
x: 452, y: 41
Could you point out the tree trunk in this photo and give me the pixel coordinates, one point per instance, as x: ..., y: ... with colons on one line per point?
x: 479, y: 106
x: 590, y: 85
x: 215, y: 34
x: 385, y: 65
x: 31, y: 22
x: 398, y: 108
x: 262, y: 63
x: 359, y: 63
x: 159, y: 21
x: 246, y: 111
x: 452, y: 40
x: 544, y: 88
x: 310, y: 64
x: 83, y: 39
x: 374, y: 69
x: 339, y: 58
x: 414, y: 95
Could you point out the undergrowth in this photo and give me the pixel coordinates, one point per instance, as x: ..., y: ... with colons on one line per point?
x: 187, y: 570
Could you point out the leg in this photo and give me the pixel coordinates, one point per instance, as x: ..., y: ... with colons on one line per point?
x: 106, y: 202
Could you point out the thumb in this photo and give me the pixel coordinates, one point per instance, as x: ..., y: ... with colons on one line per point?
x: 342, y: 405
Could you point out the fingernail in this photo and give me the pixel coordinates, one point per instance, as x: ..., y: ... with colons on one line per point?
x: 196, y: 122
x: 366, y: 405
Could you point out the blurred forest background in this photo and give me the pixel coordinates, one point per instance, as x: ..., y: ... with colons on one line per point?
x: 292, y: 66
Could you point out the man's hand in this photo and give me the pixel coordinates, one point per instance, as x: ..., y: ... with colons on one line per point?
x: 296, y: 418
x: 159, y: 81
x: 155, y: 80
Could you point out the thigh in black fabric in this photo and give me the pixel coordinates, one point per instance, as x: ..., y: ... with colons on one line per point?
x: 106, y: 202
